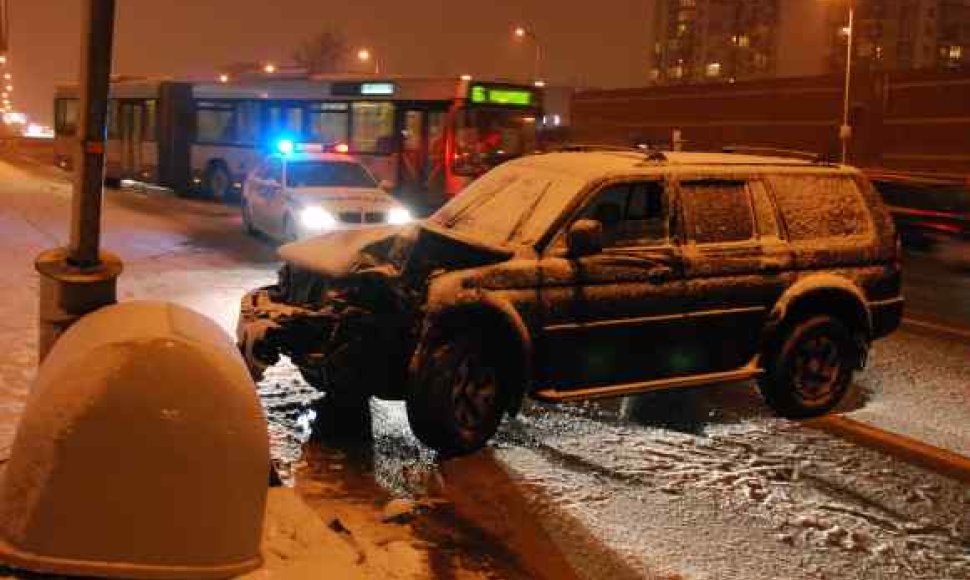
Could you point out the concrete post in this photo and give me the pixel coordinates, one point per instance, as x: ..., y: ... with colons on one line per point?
x: 80, y: 279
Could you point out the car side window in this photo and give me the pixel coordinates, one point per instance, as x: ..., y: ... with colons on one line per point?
x: 718, y: 210
x: 632, y: 214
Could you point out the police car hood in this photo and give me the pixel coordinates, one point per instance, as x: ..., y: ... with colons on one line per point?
x: 344, y: 196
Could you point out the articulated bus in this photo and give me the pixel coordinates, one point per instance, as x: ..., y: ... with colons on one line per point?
x: 427, y: 137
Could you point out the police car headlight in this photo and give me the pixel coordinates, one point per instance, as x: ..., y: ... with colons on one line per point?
x: 398, y: 216
x: 317, y: 218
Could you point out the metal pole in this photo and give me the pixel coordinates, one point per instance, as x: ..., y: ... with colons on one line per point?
x: 845, y: 132
x: 80, y: 279
x: 95, y: 75
x: 538, y: 72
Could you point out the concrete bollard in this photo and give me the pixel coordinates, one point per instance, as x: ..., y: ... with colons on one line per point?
x: 142, y: 452
x: 68, y: 292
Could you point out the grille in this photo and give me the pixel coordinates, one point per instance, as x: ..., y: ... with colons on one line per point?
x: 350, y: 217
x: 375, y: 217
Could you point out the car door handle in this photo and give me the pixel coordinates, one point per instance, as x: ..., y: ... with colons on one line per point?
x: 658, y: 274
x: 772, y: 264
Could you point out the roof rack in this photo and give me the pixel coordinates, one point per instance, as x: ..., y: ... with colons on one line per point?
x: 776, y: 152
x: 650, y: 153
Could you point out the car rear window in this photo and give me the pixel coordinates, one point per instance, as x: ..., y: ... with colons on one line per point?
x: 820, y: 206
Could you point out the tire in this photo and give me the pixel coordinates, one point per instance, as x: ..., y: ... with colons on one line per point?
x: 811, y: 369
x: 455, y: 402
x: 289, y: 230
x: 218, y: 183
x: 344, y: 411
x: 247, y: 219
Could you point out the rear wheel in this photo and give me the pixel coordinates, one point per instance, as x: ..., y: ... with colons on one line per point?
x: 455, y: 403
x: 810, y: 371
x: 218, y: 183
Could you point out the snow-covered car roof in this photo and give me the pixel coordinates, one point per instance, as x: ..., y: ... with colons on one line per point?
x: 592, y: 164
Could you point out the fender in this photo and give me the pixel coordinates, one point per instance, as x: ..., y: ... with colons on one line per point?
x: 819, y: 284
x: 479, y: 306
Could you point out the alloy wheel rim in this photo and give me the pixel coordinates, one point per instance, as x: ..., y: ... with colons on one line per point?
x: 472, y: 393
x: 817, y: 370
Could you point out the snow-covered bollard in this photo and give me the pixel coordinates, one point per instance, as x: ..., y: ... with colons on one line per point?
x: 143, y: 452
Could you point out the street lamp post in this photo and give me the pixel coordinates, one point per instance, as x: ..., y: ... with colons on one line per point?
x: 523, y: 33
x: 845, y: 131
x: 81, y: 278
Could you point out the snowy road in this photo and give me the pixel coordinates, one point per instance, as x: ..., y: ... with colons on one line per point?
x: 703, y: 484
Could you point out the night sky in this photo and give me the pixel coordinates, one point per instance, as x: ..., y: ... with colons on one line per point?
x: 605, y: 43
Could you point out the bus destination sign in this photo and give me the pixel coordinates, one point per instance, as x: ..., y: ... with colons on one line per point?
x: 490, y: 95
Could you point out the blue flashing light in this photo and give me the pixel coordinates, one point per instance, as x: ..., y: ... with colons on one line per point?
x: 284, y: 146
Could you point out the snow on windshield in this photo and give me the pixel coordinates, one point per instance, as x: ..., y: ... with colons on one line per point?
x: 327, y: 174
x: 508, y: 206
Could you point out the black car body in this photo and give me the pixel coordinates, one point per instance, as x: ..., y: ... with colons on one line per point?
x: 581, y: 275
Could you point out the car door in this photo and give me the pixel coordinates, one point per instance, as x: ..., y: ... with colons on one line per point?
x: 273, y: 197
x: 736, y: 266
x: 616, y: 316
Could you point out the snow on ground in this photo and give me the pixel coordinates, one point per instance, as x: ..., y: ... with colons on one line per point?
x: 759, y: 498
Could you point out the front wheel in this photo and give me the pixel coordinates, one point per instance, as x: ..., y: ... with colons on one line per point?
x: 454, y: 404
x: 811, y: 370
x: 247, y: 219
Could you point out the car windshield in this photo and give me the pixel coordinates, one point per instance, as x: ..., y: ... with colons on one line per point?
x: 327, y: 174
x: 508, y: 206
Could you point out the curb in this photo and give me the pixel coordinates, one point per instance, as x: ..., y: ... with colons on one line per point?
x: 949, y: 331
x: 910, y: 450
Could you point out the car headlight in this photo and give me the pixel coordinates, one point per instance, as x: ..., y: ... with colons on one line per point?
x: 317, y: 218
x: 398, y: 216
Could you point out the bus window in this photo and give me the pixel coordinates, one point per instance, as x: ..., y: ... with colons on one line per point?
x: 113, y: 120
x: 247, y: 122
x: 215, y: 123
x: 65, y: 117
x: 329, y: 123
x: 150, y: 123
x: 487, y: 137
x: 286, y: 121
x: 373, y: 128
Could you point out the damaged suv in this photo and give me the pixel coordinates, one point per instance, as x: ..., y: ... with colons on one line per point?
x: 588, y: 274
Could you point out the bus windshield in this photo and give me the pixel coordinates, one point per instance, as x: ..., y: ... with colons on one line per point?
x: 327, y: 174
x: 487, y: 137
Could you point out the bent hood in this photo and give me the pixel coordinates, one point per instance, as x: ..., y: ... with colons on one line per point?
x: 420, y: 248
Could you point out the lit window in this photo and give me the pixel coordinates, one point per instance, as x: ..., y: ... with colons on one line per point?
x: 677, y: 72
x: 956, y: 52
x: 654, y: 74
x: 714, y: 69
x: 744, y: 41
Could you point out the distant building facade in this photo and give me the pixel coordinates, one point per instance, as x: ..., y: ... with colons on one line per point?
x: 727, y: 40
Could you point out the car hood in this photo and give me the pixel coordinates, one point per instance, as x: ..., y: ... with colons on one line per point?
x: 343, y: 195
x: 415, y: 249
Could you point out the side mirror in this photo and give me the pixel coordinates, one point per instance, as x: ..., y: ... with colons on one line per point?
x: 584, y: 238
x: 386, y: 184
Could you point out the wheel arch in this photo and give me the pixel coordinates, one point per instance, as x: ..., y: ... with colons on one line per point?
x: 822, y: 294
x: 505, y: 330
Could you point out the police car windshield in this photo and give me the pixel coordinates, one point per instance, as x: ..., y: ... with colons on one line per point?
x: 327, y: 174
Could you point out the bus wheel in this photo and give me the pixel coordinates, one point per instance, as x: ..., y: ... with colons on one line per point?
x: 218, y: 183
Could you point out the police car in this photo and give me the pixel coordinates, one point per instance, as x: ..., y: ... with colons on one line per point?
x: 303, y: 190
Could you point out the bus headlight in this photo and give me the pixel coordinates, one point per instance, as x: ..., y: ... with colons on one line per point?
x: 398, y: 216
x: 317, y: 218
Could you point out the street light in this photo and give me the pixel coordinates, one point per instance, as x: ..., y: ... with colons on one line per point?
x: 522, y: 34
x: 365, y: 56
x: 270, y: 68
x: 223, y: 78
x: 845, y: 131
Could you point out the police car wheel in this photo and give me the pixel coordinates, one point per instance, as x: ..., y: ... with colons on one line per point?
x: 247, y: 219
